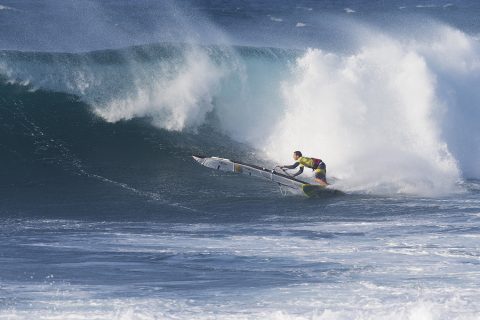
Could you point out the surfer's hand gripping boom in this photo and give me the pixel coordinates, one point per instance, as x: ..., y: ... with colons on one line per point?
x: 282, y: 169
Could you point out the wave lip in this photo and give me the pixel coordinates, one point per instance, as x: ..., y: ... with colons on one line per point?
x: 173, y: 101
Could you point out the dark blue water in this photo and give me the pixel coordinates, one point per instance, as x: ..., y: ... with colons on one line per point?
x: 104, y: 214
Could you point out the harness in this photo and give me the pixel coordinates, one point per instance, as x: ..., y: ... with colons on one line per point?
x: 318, y: 163
x: 312, y: 163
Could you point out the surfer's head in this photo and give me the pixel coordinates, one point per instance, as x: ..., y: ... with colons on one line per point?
x: 296, y: 155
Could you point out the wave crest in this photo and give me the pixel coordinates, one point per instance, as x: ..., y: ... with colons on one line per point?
x: 175, y: 97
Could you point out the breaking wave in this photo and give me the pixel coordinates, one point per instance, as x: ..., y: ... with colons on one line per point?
x: 396, y: 115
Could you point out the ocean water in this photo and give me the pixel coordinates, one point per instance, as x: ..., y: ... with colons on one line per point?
x: 105, y: 215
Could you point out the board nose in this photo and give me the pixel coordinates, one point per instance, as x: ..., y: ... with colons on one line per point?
x: 198, y: 158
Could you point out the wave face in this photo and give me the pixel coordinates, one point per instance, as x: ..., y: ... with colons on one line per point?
x: 395, y: 115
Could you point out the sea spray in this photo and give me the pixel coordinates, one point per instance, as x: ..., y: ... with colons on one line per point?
x: 371, y: 117
x: 454, y: 58
x: 391, y: 117
x: 175, y: 96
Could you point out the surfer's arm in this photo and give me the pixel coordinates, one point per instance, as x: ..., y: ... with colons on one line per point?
x: 300, y: 170
x: 293, y: 166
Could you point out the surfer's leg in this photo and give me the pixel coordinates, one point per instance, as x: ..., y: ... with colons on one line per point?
x: 321, y: 176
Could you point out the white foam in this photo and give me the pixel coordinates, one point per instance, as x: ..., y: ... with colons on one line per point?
x: 2, y: 7
x: 276, y: 19
x: 348, y: 10
x: 305, y: 8
x: 421, y: 6
x: 385, y: 118
x: 356, y: 276
x: 173, y: 102
x: 339, y: 301
x: 300, y: 25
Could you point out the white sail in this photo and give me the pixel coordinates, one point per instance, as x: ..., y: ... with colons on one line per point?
x: 250, y: 170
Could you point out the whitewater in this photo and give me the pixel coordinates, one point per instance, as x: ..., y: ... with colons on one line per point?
x: 104, y: 214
